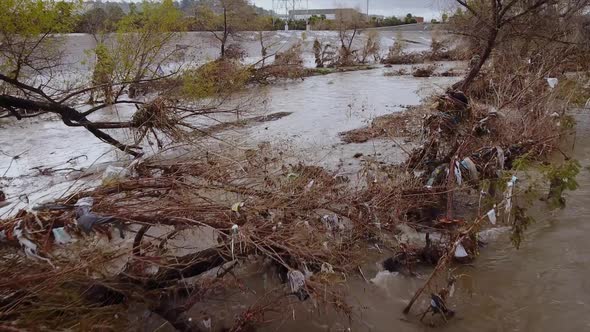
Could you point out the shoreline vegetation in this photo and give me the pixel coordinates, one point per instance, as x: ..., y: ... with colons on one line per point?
x: 165, y: 233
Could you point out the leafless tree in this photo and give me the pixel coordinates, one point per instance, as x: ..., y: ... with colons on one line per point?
x: 224, y: 18
x: 493, y: 21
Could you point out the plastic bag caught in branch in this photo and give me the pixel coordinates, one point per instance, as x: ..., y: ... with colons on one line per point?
x: 458, y: 175
x: 297, y: 284
x: 492, y: 216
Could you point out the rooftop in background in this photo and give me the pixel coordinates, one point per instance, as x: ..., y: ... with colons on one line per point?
x: 329, y: 14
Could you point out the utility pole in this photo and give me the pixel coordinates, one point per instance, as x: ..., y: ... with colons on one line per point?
x: 368, y: 17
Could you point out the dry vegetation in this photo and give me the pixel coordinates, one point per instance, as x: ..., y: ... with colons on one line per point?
x: 292, y: 217
x: 310, y: 226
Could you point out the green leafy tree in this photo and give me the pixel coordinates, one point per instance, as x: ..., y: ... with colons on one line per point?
x: 32, y: 71
x: 144, y: 42
x: 99, y: 21
x: 27, y: 35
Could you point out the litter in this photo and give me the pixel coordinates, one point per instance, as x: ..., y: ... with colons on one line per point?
x: 552, y: 81
x: 207, y: 323
x: 237, y: 206
x: 492, y: 234
x: 234, y: 232
x: 85, y: 201
x: 501, y: 158
x: 435, y: 174
x: 29, y: 246
x: 327, y: 268
x: 492, y: 216
x: 61, y: 236
x: 438, y: 306
x: 114, y: 173
x: 508, y: 194
x: 86, y: 219
x: 469, y: 165
x: 452, y: 290
x: 458, y: 175
x: 297, y: 284
x: 460, y: 251
x: 332, y: 223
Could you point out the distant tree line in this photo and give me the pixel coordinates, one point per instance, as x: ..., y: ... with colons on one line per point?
x: 103, y: 17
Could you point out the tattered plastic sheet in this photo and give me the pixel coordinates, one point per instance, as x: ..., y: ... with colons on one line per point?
x: 85, y: 201
x: 207, y: 323
x: 235, y: 231
x: 327, y: 268
x: 458, y: 175
x: 296, y: 280
x: 469, y: 165
x: 460, y: 251
x: 434, y: 175
x: 552, y: 81
x: 508, y: 195
x: 114, y: 173
x: 237, y: 206
x: 501, y: 158
x: 61, y: 236
x: 28, y: 246
x: 492, y: 216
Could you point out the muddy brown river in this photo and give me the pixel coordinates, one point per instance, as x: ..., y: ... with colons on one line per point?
x: 541, y: 287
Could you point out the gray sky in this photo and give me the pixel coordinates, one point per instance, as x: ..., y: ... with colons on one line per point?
x: 427, y: 8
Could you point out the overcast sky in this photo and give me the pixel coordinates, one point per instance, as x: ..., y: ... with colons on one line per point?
x: 427, y: 8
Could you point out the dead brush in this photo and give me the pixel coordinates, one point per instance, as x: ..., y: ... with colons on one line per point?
x: 257, y: 204
x: 403, y: 124
x: 158, y: 117
x: 424, y: 71
x: 287, y: 65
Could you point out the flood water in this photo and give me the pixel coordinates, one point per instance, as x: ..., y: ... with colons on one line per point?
x: 541, y: 287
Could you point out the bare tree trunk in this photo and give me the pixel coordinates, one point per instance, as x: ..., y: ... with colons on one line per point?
x: 225, y: 33
x: 464, y: 84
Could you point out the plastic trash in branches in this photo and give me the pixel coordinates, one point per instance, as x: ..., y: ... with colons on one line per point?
x: 552, y: 81
x: 297, y: 284
x: 61, y: 236
x: 460, y: 251
x: 492, y: 216
x: 458, y: 174
x: 470, y: 166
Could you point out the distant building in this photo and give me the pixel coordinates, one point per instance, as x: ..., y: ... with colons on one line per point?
x: 329, y: 14
x: 419, y: 19
x: 377, y: 17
